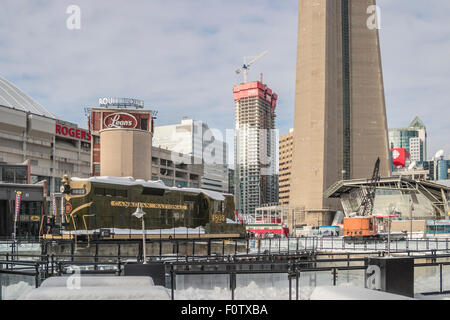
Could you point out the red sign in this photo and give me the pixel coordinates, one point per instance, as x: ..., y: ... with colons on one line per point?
x: 399, y: 157
x: 120, y: 120
x: 68, y: 207
x: 73, y: 132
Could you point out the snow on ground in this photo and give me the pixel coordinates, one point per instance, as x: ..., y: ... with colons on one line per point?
x: 21, y: 247
x: 178, y: 230
x: 98, y: 293
x: 352, y: 293
x: 99, y: 290
x: 14, y: 291
x: 78, y: 287
x: 98, y: 281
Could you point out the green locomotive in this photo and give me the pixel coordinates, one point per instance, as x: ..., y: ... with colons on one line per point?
x: 97, y: 204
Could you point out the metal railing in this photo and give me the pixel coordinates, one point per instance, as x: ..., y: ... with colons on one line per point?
x: 294, y: 266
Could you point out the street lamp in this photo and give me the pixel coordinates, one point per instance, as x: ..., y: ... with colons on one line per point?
x: 139, y: 213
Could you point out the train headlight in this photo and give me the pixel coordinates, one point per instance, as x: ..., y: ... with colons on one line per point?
x: 65, y: 189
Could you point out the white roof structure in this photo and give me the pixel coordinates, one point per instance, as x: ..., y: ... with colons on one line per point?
x: 14, y: 98
x: 130, y: 181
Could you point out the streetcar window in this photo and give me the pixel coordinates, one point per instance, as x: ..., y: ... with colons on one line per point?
x: 77, y: 192
x: 152, y: 191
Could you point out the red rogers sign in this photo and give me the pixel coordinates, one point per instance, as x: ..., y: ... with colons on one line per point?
x: 73, y: 132
x: 120, y: 120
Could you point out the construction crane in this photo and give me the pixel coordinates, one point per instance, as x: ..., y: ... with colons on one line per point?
x: 246, y: 65
x: 367, y: 203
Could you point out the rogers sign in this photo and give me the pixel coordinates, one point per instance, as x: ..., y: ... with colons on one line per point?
x: 73, y: 132
x: 120, y: 120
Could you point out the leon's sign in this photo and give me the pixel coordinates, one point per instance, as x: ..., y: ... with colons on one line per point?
x: 120, y: 120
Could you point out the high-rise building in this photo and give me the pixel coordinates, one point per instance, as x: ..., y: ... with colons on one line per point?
x: 255, y: 146
x: 413, y: 139
x: 285, y: 164
x: 340, y: 126
x: 196, y: 139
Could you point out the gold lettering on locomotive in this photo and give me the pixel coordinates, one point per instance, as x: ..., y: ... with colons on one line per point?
x: 218, y: 218
x: 148, y: 205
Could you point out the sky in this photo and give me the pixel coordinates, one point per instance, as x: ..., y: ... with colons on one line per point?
x: 180, y: 57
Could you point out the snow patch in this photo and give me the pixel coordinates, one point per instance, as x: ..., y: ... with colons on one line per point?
x: 14, y: 291
x: 352, y: 293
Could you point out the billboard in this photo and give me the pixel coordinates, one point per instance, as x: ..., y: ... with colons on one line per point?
x: 399, y: 157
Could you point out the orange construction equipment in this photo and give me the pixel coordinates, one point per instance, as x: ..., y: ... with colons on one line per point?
x: 360, y: 228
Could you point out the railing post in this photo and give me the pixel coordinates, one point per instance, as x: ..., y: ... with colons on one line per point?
x: 36, y: 276
x: 172, y: 284
x: 232, y: 283
x: 334, y: 276
x: 297, y: 274
x: 72, y: 249
x: 290, y: 287
x: 96, y: 257
x: 440, y: 278
x: 53, y: 264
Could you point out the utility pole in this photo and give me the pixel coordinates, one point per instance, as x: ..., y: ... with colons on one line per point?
x: 410, y: 218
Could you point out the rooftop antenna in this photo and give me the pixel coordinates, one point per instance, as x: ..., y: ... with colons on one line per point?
x: 439, y: 155
x: 246, y: 65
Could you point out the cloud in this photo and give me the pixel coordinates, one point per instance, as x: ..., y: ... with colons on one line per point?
x: 180, y: 57
x: 415, y: 40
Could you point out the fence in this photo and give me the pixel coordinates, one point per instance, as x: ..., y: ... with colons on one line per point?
x: 317, y: 272
x: 290, y: 264
x: 235, y: 274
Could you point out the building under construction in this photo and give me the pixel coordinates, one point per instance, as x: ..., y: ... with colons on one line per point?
x: 256, y: 181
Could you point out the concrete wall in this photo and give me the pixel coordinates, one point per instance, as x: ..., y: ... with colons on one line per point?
x: 126, y: 153
x: 399, y: 226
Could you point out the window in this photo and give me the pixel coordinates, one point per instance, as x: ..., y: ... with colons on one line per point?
x: 99, y: 191
x: 122, y: 193
x: 144, y: 124
x: 110, y: 192
x: 152, y: 191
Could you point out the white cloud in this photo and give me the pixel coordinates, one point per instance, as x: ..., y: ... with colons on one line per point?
x: 180, y: 56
